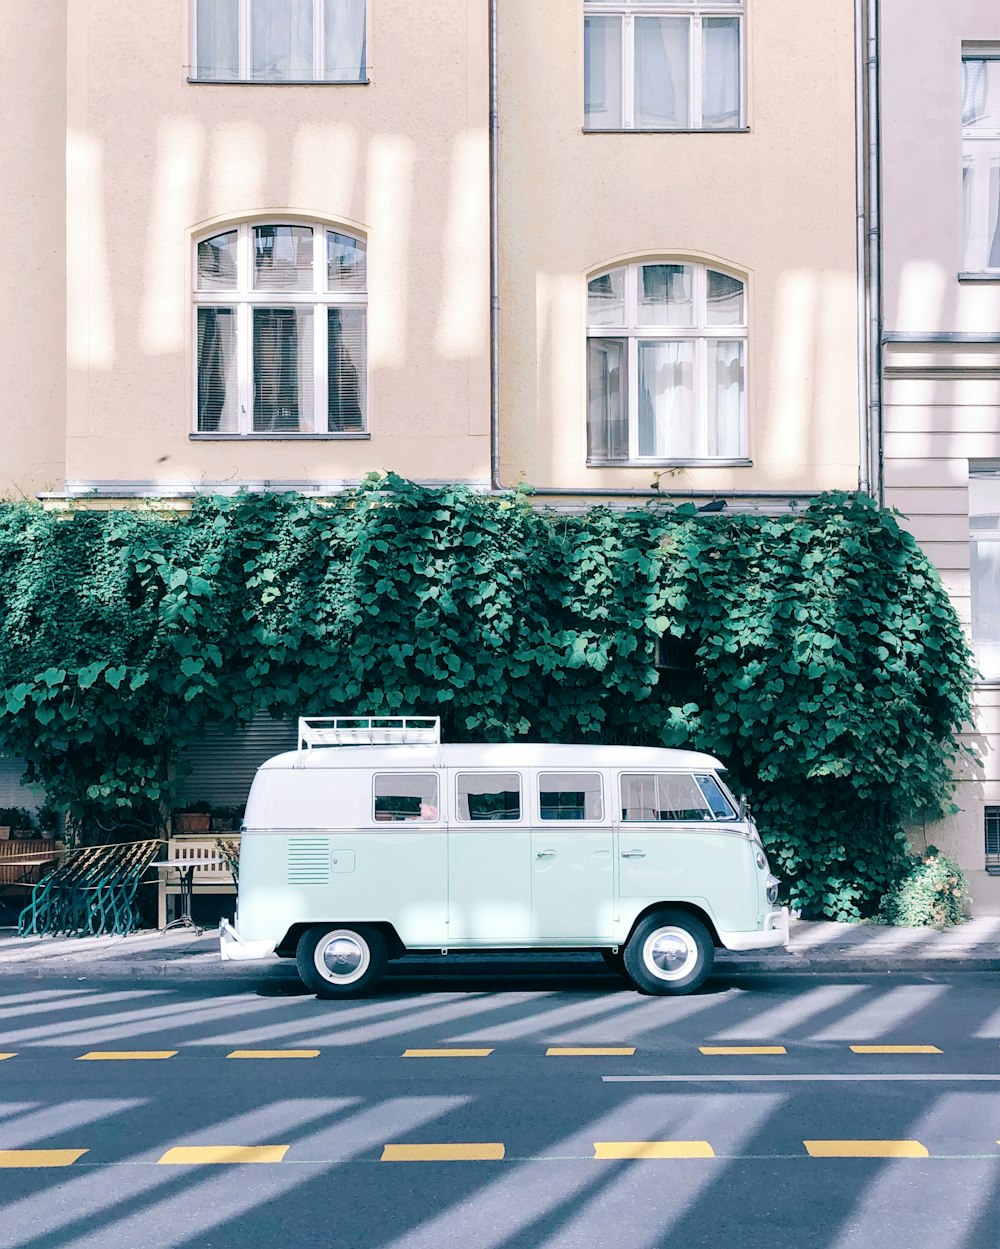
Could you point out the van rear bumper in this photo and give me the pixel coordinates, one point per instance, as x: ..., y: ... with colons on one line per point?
x: 236, y: 949
x: 774, y: 933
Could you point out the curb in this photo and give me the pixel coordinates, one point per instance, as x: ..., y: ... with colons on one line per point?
x: 283, y: 971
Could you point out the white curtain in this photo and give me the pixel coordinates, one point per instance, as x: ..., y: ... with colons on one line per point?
x: 602, y: 73
x: 720, y: 108
x: 725, y: 398
x: 344, y: 35
x: 282, y: 39
x: 666, y: 400
x: 661, y: 73
x: 218, y: 39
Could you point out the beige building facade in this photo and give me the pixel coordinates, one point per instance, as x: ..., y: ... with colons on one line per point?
x: 940, y: 417
x: 258, y: 245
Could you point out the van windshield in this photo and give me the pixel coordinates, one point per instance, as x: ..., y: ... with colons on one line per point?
x: 722, y: 808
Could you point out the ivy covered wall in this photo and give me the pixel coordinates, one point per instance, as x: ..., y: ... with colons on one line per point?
x: 819, y: 656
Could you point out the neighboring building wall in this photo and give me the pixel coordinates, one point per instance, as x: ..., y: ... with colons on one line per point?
x: 941, y: 386
x: 776, y: 204
x: 156, y: 160
x: 33, y: 223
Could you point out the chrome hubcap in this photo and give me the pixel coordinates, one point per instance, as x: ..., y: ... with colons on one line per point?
x: 670, y: 953
x: 342, y: 957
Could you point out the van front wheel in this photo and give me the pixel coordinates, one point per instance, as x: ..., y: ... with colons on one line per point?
x: 341, y: 961
x: 669, y: 953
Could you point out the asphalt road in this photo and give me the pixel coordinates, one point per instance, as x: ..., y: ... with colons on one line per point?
x: 127, y: 1118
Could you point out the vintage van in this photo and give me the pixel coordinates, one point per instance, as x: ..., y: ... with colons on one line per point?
x: 374, y: 839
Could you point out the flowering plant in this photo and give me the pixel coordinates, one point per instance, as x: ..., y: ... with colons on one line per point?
x: 929, y: 890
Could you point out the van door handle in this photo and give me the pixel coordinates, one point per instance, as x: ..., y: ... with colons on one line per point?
x: 545, y: 854
x: 633, y: 854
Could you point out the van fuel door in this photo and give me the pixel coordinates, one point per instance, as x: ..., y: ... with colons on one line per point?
x: 342, y: 861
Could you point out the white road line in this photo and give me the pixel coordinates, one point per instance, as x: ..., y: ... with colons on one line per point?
x: 992, y: 1077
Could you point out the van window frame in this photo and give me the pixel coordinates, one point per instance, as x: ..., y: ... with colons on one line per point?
x: 579, y: 771
x: 459, y: 772
x: 415, y: 822
x: 663, y: 824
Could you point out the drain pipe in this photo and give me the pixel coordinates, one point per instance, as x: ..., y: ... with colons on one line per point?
x: 861, y: 215
x: 495, y: 482
x: 875, y: 250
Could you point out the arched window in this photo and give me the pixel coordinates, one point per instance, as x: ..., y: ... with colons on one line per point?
x: 281, y: 312
x: 666, y: 365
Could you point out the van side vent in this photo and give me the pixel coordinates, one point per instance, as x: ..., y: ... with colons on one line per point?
x: 309, y: 861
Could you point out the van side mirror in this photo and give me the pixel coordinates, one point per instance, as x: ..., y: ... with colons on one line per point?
x: 744, y: 807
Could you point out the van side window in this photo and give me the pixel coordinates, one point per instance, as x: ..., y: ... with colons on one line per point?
x: 570, y: 796
x: 489, y: 796
x: 406, y: 796
x: 656, y: 796
x: 722, y: 808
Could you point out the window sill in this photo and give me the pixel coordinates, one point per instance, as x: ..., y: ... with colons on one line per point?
x: 701, y: 130
x: 279, y: 82
x: 989, y: 275
x: 707, y: 463
x: 203, y: 437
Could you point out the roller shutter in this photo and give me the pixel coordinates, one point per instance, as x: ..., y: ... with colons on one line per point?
x: 223, y: 763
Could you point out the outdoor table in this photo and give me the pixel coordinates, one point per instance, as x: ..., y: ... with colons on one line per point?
x: 185, y: 869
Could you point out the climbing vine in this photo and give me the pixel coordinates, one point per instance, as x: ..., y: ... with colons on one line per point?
x: 817, y: 654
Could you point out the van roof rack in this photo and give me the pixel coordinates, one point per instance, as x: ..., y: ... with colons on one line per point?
x: 368, y: 731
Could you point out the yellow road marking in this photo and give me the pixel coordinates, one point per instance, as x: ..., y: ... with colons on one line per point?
x: 39, y: 1157
x: 866, y: 1149
x: 572, y: 1051
x: 653, y: 1149
x: 274, y: 1054
x: 474, y: 1152
x: 895, y: 1049
x: 447, y: 1053
x: 124, y: 1055
x: 192, y: 1155
x: 3, y: 1056
x: 743, y: 1049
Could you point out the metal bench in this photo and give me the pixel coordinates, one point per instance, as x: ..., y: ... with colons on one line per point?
x: 91, y: 892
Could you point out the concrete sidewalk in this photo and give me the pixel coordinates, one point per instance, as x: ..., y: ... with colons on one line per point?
x: 814, y: 948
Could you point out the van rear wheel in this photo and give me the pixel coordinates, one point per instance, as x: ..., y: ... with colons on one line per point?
x: 669, y: 953
x: 341, y: 961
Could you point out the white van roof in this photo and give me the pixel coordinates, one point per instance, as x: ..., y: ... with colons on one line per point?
x: 512, y: 755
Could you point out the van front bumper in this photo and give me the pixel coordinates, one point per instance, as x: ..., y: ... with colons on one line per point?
x: 774, y: 933
x: 236, y: 949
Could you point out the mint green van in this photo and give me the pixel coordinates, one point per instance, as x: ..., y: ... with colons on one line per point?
x: 374, y: 838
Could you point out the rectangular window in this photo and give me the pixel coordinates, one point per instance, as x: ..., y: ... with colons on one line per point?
x: 489, y: 796
x: 984, y: 567
x: 663, y: 64
x: 406, y: 797
x: 279, y: 41
x: 283, y: 371
x: 217, y: 378
x: 570, y: 796
x: 656, y: 797
x: 981, y: 160
x: 992, y: 830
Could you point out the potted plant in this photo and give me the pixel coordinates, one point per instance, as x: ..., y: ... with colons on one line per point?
x: 48, y: 821
x: 195, y: 818
x: 15, y: 823
x: 226, y: 819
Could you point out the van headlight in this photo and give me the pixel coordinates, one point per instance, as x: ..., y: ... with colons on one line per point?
x: 772, y: 888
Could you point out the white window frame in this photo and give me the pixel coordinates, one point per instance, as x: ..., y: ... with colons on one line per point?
x: 980, y: 147
x: 244, y: 298
x: 699, y: 333
x: 245, y: 74
x: 696, y: 11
